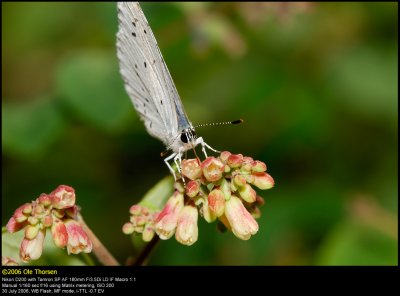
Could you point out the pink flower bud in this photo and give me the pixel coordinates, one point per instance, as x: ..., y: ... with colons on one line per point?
x: 191, y: 168
x: 148, y: 233
x: 258, y: 166
x: 166, y: 220
x: 248, y: 193
x: 14, y: 226
x: 44, y: 199
x: 246, y: 163
x: 216, y: 202
x: 21, y: 213
x: 224, y: 156
x: 78, y: 241
x: 213, y: 169
x: 8, y: 261
x: 239, y: 180
x: 140, y: 221
x: 263, y: 181
x: 128, y: 228
x: 58, y: 213
x: 192, y: 188
x: 38, y: 210
x: 235, y: 160
x: 47, y: 221
x: 33, y: 220
x: 225, y: 188
x: 187, y: 231
x: 63, y: 197
x: 59, y: 234
x: 242, y: 223
x: 31, y: 232
x: 32, y: 249
x: 206, y: 212
x: 135, y: 210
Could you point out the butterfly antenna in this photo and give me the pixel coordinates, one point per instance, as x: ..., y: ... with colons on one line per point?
x: 238, y: 121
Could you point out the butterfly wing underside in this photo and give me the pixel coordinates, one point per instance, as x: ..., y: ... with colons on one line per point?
x: 146, y: 76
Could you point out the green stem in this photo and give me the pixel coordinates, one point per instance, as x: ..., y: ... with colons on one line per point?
x: 143, y: 256
x: 99, y: 249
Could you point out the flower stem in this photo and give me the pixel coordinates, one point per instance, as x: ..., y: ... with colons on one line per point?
x: 146, y: 251
x: 99, y: 249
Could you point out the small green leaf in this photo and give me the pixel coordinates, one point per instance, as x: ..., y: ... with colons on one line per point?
x: 157, y: 196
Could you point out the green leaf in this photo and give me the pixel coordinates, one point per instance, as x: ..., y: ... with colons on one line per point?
x: 157, y: 196
x: 91, y: 85
x: 52, y: 255
x: 29, y: 128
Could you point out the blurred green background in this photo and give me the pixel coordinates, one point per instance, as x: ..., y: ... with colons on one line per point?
x: 315, y: 83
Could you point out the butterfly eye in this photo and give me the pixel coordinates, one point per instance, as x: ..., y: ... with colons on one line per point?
x: 184, y: 138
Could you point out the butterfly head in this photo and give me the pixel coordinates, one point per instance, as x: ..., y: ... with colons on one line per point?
x: 188, y: 138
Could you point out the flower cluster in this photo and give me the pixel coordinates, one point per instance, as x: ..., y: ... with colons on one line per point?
x: 55, y: 211
x: 217, y: 188
x: 142, y: 221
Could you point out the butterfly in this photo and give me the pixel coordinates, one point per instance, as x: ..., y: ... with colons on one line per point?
x: 150, y: 86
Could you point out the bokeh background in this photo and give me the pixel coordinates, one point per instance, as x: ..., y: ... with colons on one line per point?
x: 317, y: 87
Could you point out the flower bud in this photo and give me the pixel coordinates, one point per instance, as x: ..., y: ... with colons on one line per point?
x: 216, y: 202
x: 258, y: 166
x: 14, y: 226
x: 128, y: 228
x: 191, y: 168
x: 224, y: 156
x: 246, y: 163
x: 19, y: 213
x: 78, y: 241
x: 44, y: 199
x: 63, y: 197
x: 242, y: 223
x: 32, y: 249
x: 58, y: 213
x: 47, y: 221
x: 148, y: 233
x: 235, y: 160
x: 8, y: 261
x: 31, y: 232
x: 225, y: 188
x: 135, y: 210
x: 206, y: 212
x: 166, y: 220
x: 248, y: 193
x: 239, y: 180
x: 213, y: 169
x: 187, y: 231
x: 33, y: 220
x: 263, y: 181
x: 192, y: 188
x: 59, y: 234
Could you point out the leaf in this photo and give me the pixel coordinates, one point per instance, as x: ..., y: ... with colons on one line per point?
x: 52, y: 255
x: 91, y: 85
x: 29, y: 128
x: 157, y: 196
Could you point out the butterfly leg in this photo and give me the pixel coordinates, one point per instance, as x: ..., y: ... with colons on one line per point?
x: 178, y: 162
x: 200, y: 140
x: 172, y: 156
